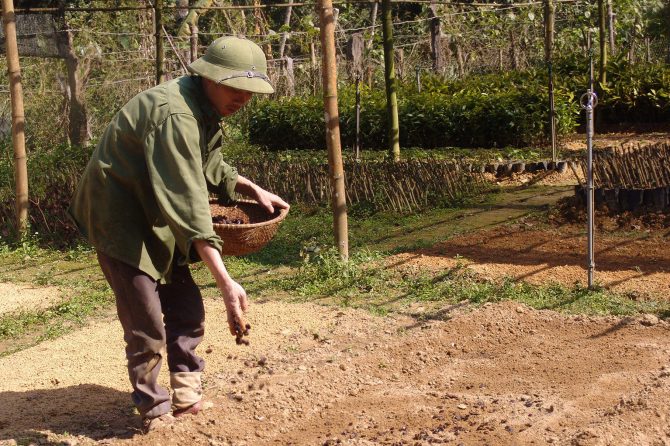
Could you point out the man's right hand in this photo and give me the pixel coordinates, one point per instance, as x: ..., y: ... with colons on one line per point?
x: 233, y: 294
x: 237, y: 304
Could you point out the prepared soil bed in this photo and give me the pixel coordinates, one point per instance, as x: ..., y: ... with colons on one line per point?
x: 637, y: 263
x: 577, y: 141
x: 501, y: 374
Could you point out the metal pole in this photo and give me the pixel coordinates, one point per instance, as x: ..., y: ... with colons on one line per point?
x: 160, y: 52
x: 336, y: 169
x: 18, y: 117
x: 588, y: 102
x: 358, y: 117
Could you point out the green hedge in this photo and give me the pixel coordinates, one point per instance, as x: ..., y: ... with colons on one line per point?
x: 488, y: 111
x: 636, y: 94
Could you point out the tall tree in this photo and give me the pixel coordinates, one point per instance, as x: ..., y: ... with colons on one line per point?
x: 602, y: 34
x: 286, y: 26
x: 436, y: 38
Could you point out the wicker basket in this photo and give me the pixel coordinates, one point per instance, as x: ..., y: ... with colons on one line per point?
x: 255, y: 231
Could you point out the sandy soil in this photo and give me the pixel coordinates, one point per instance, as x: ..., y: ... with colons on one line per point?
x: 577, y: 142
x: 501, y: 375
x: 638, y: 265
x: 13, y: 297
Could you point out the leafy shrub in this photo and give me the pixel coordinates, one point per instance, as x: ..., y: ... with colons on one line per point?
x: 636, y: 94
x: 53, y: 174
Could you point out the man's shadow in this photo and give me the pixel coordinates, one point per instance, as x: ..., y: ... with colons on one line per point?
x: 88, y: 410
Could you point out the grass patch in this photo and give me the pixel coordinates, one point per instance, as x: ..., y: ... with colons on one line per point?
x: 365, y: 282
x: 30, y: 327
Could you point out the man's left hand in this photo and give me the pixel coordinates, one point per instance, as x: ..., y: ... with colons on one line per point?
x: 266, y: 199
x: 269, y: 200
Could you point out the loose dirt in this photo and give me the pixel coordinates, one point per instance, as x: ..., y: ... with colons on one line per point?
x: 502, y: 374
x: 637, y: 263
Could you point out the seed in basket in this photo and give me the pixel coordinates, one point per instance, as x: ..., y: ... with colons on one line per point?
x: 244, y: 226
x: 223, y: 220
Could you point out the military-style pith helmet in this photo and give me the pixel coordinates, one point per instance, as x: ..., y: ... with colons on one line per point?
x: 237, y: 63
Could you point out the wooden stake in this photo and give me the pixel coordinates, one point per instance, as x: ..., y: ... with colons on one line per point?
x: 160, y: 52
x: 435, y: 38
x: 194, y: 42
x: 389, y: 76
x: 336, y: 170
x: 18, y: 117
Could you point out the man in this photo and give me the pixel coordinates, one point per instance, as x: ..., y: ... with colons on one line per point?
x: 143, y: 204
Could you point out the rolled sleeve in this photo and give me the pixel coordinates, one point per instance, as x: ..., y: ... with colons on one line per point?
x: 175, y: 168
x: 221, y: 178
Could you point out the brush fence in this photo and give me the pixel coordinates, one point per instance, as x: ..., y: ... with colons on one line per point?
x: 391, y: 186
x: 629, y: 178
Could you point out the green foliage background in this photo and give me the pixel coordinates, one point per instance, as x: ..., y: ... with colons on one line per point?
x: 484, y: 103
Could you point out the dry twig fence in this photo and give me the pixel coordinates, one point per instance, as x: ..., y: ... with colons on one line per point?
x: 628, y: 178
x: 638, y: 167
x: 385, y: 186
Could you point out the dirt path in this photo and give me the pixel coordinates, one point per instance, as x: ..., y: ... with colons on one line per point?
x: 509, y: 206
x: 500, y: 375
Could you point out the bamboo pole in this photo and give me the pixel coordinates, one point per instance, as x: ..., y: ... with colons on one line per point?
x: 18, y: 117
x: 160, y: 52
x: 549, y: 21
x: 336, y: 170
x: 389, y: 76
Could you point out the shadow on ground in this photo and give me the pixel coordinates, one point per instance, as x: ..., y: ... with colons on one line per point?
x: 87, y: 410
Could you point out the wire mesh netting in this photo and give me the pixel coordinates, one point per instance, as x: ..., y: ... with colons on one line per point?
x: 115, y: 50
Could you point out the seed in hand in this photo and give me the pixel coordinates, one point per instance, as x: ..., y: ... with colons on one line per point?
x: 239, y: 333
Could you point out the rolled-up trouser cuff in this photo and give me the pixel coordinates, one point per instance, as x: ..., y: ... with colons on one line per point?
x: 187, y: 389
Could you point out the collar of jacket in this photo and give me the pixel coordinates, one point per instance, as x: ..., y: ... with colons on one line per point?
x: 206, y: 105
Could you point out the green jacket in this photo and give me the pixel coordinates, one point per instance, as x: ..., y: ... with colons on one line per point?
x: 146, y: 188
